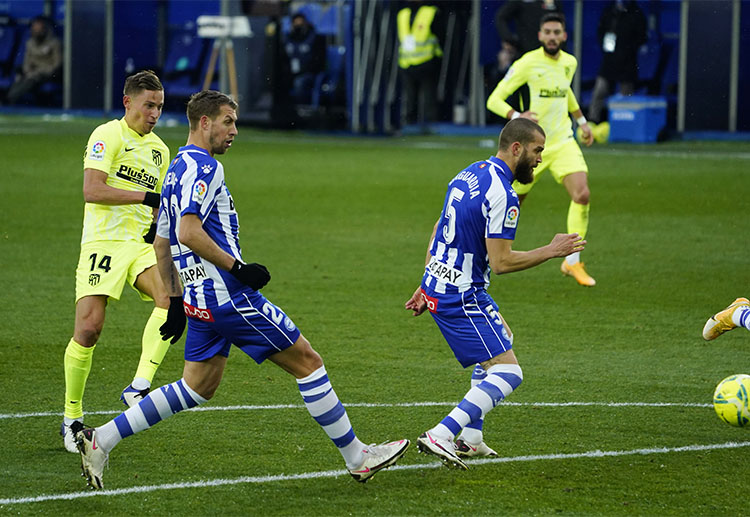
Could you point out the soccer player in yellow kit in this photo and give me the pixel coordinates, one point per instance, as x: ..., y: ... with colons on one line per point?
x: 548, y: 71
x: 124, y: 167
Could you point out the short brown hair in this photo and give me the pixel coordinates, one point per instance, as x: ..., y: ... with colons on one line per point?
x: 209, y: 103
x: 521, y: 130
x: 552, y: 17
x: 143, y: 80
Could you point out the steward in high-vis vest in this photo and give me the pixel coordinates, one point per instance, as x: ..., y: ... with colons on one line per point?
x: 420, y: 29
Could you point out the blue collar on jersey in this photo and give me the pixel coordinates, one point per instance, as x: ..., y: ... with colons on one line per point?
x: 494, y: 160
x: 191, y: 147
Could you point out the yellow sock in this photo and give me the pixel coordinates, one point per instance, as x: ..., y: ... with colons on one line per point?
x: 77, y: 365
x: 153, y: 347
x: 578, y: 219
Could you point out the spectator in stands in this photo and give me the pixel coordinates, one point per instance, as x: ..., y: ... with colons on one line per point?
x: 42, y: 60
x: 622, y: 31
x: 524, y: 16
x: 420, y: 32
x: 306, y: 54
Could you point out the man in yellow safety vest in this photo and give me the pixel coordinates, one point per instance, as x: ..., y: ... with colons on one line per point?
x: 420, y: 26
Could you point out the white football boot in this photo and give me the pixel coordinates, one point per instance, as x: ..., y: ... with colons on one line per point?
x: 93, y: 457
x: 379, y: 457
x: 131, y: 396
x: 441, y: 448
x: 69, y: 440
x: 465, y: 449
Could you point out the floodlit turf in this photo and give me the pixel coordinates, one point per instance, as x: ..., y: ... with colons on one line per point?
x: 342, y: 224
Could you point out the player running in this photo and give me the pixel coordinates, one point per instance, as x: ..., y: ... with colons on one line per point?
x: 197, y: 243
x: 471, y: 239
x: 548, y: 71
x: 124, y: 165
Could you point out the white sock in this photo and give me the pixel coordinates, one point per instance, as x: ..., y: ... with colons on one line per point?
x: 573, y: 258
x: 139, y: 383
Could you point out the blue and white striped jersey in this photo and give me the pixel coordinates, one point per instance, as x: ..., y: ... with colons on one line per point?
x: 195, y: 185
x: 480, y: 203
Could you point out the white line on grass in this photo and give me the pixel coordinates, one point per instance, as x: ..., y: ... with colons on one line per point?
x: 336, y: 473
x: 372, y: 404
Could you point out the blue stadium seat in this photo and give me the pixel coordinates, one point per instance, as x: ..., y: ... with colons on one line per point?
x: 8, y: 38
x: 649, y: 56
x: 328, y: 84
x: 186, y: 63
x: 328, y: 22
x: 314, y: 14
x: 185, y: 53
x: 7, y: 45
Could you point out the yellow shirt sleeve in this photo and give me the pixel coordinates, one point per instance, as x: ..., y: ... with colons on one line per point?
x: 103, y: 146
x: 514, y: 79
x: 572, y: 102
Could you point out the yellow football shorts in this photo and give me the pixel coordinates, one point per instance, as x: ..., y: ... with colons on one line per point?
x: 104, y: 266
x: 561, y: 159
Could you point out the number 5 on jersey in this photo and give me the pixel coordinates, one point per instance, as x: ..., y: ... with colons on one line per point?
x: 449, y: 229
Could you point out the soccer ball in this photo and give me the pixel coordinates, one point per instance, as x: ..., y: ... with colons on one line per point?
x: 731, y: 400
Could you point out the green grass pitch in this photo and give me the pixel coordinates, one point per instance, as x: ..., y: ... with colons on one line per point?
x: 342, y: 224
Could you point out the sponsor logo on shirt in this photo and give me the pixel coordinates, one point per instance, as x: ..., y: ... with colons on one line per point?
x: 139, y: 177
x: 511, y: 217
x: 97, y: 150
x: 193, y: 274
x: 556, y: 92
x: 195, y: 312
x: 443, y: 272
x: 199, y: 191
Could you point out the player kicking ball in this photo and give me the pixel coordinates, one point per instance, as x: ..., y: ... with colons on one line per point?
x: 197, y: 247
x: 471, y: 239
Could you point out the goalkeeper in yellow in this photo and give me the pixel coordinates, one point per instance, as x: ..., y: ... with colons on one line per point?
x: 123, y: 169
x: 548, y: 72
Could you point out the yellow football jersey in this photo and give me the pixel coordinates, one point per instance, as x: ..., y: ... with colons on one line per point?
x: 131, y: 162
x: 551, y: 96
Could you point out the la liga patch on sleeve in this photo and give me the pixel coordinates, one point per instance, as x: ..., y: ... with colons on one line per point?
x: 511, y: 217
x: 199, y: 191
x: 97, y: 150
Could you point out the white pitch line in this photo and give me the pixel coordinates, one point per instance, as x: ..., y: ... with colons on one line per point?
x: 385, y: 405
x: 336, y: 473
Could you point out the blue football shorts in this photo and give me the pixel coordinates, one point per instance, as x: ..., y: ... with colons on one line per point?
x: 470, y: 323
x: 250, y: 322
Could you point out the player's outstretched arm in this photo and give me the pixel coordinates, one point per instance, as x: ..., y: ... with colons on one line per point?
x: 96, y: 190
x: 503, y: 259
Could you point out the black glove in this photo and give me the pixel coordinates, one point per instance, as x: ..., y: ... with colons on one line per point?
x: 253, y: 275
x: 152, y: 199
x: 150, y: 235
x: 176, y: 319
